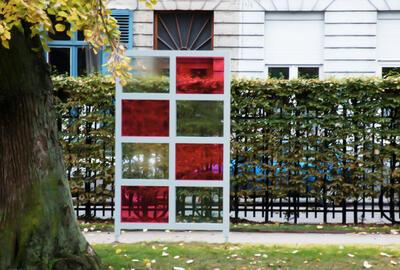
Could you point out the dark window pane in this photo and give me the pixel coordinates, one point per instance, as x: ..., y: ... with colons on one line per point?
x: 200, y: 75
x: 199, y: 161
x: 145, y: 118
x: 88, y: 61
x: 81, y: 35
x: 59, y: 35
x: 184, y: 30
x: 199, y: 205
x: 308, y: 73
x: 59, y: 60
x: 278, y: 73
x: 200, y: 118
x: 144, y: 204
x: 390, y: 71
x: 145, y: 161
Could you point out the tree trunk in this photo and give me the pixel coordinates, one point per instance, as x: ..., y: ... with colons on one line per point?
x: 38, y: 229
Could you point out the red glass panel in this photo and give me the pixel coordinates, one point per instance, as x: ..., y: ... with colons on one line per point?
x: 199, y: 161
x: 145, y: 118
x: 200, y: 75
x: 144, y: 204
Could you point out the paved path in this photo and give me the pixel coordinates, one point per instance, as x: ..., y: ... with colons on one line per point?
x: 246, y: 238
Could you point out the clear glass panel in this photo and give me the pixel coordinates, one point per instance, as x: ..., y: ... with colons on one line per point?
x: 145, y: 118
x: 150, y: 75
x: 200, y: 75
x: 88, y: 61
x: 308, y: 72
x: 60, y: 60
x: 200, y: 118
x: 145, y: 161
x: 281, y: 73
x: 199, y: 161
x: 199, y: 205
x: 144, y: 204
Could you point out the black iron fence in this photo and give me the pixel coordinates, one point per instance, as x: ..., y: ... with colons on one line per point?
x: 302, y: 151
x: 325, y: 151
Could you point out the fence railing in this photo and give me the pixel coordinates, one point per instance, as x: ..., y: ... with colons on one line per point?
x: 302, y: 151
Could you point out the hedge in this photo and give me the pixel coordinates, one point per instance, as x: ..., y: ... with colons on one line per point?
x: 337, y: 139
x: 334, y: 138
x: 85, y: 109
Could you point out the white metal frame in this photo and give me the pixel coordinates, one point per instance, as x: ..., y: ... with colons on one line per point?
x: 172, y: 140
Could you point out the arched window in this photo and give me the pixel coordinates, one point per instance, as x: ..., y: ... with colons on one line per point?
x: 183, y: 30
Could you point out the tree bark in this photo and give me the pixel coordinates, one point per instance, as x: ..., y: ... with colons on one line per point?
x: 38, y: 229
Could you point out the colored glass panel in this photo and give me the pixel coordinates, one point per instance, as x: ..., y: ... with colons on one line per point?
x: 144, y: 204
x: 199, y: 161
x: 145, y: 118
x: 145, y: 161
x: 150, y: 75
x: 199, y: 204
x: 200, y: 75
x: 200, y: 118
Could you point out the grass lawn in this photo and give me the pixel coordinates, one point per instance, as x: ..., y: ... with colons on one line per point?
x: 108, y: 225
x: 326, y: 228
x: 186, y: 256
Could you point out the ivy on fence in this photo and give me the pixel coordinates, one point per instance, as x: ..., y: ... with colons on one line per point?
x: 331, y: 140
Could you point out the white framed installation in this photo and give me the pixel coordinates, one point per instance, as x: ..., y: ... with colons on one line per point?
x: 173, y: 142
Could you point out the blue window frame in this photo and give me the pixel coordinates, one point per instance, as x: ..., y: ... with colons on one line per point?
x: 81, y: 58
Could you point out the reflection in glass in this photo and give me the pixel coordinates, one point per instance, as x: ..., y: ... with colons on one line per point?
x: 145, y: 118
x: 200, y: 118
x: 199, y: 161
x: 144, y: 161
x: 150, y: 75
x: 88, y: 61
x: 308, y: 72
x: 144, y: 204
x: 280, y: 73
x: 200, y: 75
x: 199, y: 205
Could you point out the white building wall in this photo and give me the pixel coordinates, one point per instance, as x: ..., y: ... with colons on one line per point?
x: 357, y: 37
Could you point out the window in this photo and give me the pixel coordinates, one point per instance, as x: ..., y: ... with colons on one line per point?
x: 388, y: 36
x: 308, y: 73
x: 390, y: 71
x: 293, y: 72
x: 183, y: 30
x: 73, y: 56
x: 294, y: 38
x: 281, y: 73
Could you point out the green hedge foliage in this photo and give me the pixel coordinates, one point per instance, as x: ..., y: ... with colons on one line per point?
x: 86, y: 122
x: 333, y: 139
x: 337, y: 139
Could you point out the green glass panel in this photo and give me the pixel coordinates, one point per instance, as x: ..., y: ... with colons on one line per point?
x: 199, y: 205
x: 149, y: 75
x: 144, y: 161
x: 200, y: 118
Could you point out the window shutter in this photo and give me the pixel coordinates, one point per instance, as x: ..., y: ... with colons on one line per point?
x: 124, y: 19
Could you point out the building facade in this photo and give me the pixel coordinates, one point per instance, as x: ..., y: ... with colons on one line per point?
x: 277, y: 38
